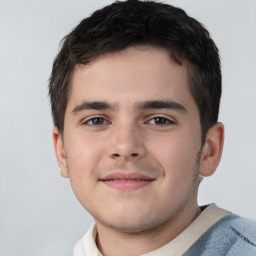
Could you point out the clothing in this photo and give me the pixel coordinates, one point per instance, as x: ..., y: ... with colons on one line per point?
x: 231, y: 236
x: 215, y: 232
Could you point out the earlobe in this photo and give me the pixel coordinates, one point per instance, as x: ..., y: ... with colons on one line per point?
x: 212, y: 150
x: 60, y: 152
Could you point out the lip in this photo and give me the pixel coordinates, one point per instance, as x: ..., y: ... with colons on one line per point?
x: 127, y: 181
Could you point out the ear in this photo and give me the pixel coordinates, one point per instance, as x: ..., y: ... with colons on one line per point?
x: 212, y: 150
x: 60, y: 152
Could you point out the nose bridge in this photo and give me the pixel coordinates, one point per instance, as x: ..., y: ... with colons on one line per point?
x: 126, y: 141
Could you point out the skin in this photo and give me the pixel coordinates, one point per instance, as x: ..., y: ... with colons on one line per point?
x: 129, y: 136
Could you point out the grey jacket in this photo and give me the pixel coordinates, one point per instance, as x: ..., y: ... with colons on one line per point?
x: 231, y: 236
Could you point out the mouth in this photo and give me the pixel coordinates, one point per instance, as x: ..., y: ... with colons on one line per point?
x: 127, y: 181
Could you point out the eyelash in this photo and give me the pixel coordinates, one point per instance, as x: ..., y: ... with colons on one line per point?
x: 87, y: 122
x: 167, y: 121
x: 103, y: 120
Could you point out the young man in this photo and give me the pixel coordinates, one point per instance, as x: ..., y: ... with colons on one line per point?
x: 135, y: 93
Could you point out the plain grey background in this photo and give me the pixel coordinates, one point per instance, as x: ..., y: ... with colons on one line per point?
x: 39, y: 215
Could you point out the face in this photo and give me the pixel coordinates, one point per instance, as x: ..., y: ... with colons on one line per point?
x: 132, y: 139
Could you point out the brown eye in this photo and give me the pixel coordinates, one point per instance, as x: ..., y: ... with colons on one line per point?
x: 96, y: 121
x: 161, y: 120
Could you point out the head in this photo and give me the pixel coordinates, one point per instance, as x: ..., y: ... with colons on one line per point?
x: 135, y: 92
x: 130, y: 23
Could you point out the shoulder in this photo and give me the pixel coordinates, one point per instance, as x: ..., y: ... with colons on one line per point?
x: 243, y: 233
x: 230, y: 236
x: 243, y: 228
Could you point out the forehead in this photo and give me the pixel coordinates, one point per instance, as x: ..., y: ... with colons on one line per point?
x: 131, y: 74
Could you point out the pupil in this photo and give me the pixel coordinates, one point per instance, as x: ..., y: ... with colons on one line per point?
x: 160, y: 120
x: 97, y: 121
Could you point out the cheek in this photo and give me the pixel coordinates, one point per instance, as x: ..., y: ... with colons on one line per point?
x: 84, y: 153
x: 177, y: 156
x: 83, y: 158
x: 178, y: 161
x: 176, y: 148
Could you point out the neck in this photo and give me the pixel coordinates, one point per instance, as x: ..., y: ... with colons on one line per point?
x: 112, y: 242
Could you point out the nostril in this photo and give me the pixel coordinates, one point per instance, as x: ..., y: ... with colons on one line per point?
x: 125, y: 156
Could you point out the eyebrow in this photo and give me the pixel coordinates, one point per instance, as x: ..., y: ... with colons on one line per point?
x: 159, y: 104
x: 151, y: 104
x: 96, y: 105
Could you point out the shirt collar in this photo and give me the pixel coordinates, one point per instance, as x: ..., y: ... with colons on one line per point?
x: 178, y: 246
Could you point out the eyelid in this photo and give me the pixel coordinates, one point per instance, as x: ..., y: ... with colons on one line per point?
x: 171, y: 120
x: 164, y: 116
x: 90, y: 118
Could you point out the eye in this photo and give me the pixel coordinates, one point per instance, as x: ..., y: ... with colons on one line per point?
x: 96, y: 121
x: 158, y: 120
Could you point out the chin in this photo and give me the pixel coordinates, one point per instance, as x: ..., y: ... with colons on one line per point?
x: 135, y: 227
x: 132, y: 223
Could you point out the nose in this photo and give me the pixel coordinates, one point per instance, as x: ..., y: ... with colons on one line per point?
x: 126, y: 143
